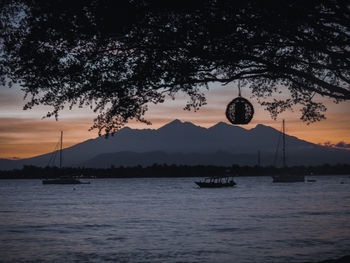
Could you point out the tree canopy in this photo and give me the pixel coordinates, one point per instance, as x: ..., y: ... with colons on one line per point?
x: 119, y: 56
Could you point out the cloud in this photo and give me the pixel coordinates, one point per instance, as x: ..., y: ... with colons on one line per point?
x: 11, y: 97
x: 343, y: 145
x: 21, y: 125
x: 339, y: 145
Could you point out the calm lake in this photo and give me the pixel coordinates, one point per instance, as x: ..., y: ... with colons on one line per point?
x: 171, y: 220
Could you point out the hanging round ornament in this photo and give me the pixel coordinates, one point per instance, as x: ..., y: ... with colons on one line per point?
x: 239, y: 110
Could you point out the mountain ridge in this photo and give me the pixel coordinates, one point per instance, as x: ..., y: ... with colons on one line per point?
x: 177, y: 137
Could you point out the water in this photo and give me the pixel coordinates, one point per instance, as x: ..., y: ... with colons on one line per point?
x: 171, y: 220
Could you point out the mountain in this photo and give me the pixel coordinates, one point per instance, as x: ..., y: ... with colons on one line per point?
x: 185, y: 143
x: 147, y: 159
x: 219, y: 158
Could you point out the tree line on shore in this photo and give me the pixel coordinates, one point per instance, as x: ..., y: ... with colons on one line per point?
x: 163, y: 170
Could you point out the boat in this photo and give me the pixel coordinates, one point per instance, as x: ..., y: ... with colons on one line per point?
x: 67, y: 179
x: 216, y: 182
x: 286, y: 178
x: 64, y: 180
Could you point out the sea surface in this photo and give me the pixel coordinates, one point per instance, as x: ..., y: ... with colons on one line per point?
x: 171, y: 220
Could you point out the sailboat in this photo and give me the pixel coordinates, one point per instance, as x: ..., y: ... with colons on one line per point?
x: 63, y: 179
x: 286, y: 178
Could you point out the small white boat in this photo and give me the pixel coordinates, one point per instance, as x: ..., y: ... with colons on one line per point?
x: 216, y: 182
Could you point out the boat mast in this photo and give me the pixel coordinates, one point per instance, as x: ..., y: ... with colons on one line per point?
x: 284, y: 145
x: 61, y: 149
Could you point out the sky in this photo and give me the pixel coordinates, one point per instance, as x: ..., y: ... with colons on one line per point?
x: 24, y: 133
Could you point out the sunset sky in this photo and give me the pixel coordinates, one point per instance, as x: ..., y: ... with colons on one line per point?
x: 25, y: 134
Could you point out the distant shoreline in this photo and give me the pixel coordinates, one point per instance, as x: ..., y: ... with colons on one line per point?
x: 171, y: 171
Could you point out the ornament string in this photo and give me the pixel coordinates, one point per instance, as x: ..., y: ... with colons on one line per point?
x: 239, y: 88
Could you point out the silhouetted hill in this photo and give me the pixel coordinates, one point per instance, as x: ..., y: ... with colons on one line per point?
x: 185, y: 143
x: 147, y: 159
x: 6, y: 164
x: 218, y: 158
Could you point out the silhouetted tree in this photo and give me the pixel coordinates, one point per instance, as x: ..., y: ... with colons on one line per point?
x: 118, y: 56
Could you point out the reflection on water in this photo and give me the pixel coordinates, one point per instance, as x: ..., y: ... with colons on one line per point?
x: 171, y: 220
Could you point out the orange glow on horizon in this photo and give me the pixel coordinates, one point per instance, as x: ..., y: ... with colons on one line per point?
x: 29, y: 142
x: 26, y: 134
